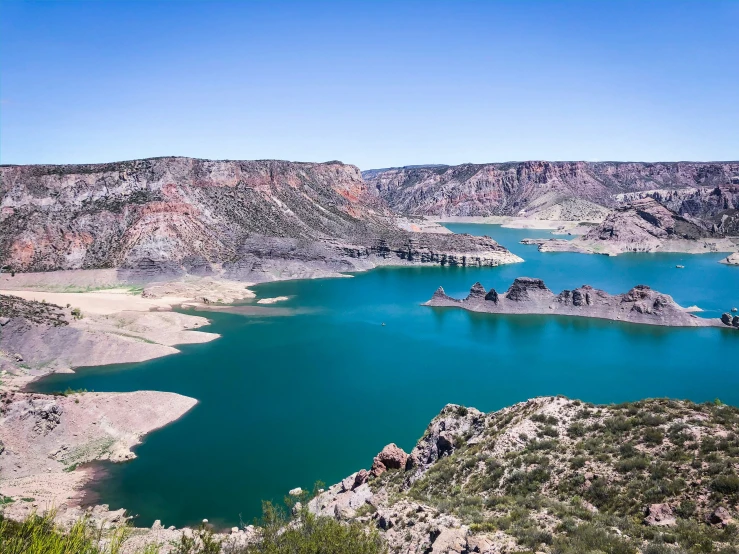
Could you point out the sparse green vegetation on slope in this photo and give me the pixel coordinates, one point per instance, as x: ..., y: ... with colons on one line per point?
x: 562, y: 476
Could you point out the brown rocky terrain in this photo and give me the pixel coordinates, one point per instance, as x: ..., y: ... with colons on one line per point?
x: 248, y: 220
x: 555, y: 475
x: 531, y: 296
x: 510, y: 188
x: 643, y: 225
x: 715, y: 207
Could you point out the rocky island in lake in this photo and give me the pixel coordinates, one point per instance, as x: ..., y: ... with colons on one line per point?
x: 531, y: 296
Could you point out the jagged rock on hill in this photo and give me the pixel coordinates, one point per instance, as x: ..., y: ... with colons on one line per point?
x: 531, y: 296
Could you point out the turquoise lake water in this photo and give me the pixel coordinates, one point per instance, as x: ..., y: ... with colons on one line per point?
x: 288, y: 400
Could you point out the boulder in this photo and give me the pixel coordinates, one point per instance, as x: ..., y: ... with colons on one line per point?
x: 450, y: 541
x: 297, y: 491
x: 479, y: 543
x: 726, y: 319
x: 354, y: 480
x: 391, y: 457
x: 660, y: 515
x: 735, y: 321
x: 720, y: 517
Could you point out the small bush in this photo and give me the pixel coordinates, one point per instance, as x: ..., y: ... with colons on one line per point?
x: 726, y: 484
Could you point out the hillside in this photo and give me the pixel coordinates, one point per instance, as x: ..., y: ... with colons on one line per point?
x: 509, y: 188
x: 255, y: 220
x: 555, y: 475
x: 643, y: 225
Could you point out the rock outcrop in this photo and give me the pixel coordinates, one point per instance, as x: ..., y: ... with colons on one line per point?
x: 731, y: 259
x: 512, y: 188
x: 555, y: 475
x: 643, y: 225
x: 251, y: 220
x: 531, y: 296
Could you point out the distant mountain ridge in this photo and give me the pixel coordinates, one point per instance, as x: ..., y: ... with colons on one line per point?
x: 509, y: 188
x: 255, y: 220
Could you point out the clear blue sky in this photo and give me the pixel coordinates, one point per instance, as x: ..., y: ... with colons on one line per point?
x: 372, y: 83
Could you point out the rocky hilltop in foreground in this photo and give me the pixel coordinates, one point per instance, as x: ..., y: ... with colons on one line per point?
x: 249, y: 220
x: 555, y: 475
x: 531, y: 296
x: 643, y: 225
x: 513, y: 188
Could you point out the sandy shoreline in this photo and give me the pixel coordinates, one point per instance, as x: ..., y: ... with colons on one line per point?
x: 49, y: 443
x: 565, y: 227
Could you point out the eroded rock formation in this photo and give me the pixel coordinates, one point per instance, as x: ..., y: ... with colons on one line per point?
x: 643, y: 225
x: 531, y: 296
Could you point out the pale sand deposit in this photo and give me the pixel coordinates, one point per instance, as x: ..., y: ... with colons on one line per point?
x: 510, y: 222
x: 101, y: 302
x: 272, y: 300
x: 47, y: 436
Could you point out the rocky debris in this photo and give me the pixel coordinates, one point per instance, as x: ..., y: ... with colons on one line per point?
x: 641, y: 304
x: 48, y: 415
x: 535, y: 471
x: 547, y: 190
x: 450, y: 541
x: 163, y: 218
x: 391, y: 457
x: 643, y: 225
x: 660, y: 515
x: 720, y: 517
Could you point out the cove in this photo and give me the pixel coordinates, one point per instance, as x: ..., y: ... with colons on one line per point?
x: 288, y: 400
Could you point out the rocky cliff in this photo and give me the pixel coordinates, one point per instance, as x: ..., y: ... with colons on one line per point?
x: 531, y: 296
x: 249, y: 219
x: 643, y: 225
x: 715, y: 207
x: 511, y: 188
x: 555, y: 475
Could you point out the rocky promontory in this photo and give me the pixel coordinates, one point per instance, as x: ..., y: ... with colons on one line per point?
x: 643, y: 225
x: 531, y: 296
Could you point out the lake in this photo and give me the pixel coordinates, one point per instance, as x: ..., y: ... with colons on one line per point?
x: 287, y: 400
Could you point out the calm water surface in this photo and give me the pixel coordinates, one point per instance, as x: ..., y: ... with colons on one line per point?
x: 288, y: 400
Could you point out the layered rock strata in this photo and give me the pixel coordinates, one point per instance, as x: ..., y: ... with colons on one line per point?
x: 643, y: 225
x: 510, y: 188
x: 156, y: 219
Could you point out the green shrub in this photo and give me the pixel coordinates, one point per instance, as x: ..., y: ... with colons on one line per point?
x: 631, y: 464
x: 726, y: 484
x: 313, y: 535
